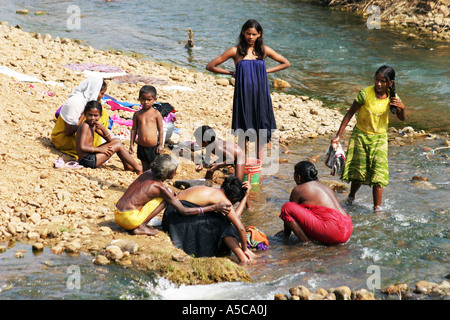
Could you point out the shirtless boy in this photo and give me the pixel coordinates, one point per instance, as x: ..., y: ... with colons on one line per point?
x: 228, y: 152
x: 148, y: 127
x: 147, y: 196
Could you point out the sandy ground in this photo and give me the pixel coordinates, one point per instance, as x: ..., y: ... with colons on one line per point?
x: 70, y: 210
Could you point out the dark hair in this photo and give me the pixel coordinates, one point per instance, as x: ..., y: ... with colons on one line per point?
x: 306, y: 171
x: 148, y: 89
x: 259, y: 44
x: 104, y: 85
x: 205, y: 134
x: 389, y: 74
x: 232, y: 186
x: 93, y: 104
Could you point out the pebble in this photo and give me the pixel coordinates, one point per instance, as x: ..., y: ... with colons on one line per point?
x: 126, y: 245
x: 73, y: 247
x: 279, y: 83
x: 114, y: 252
x: 392, y: 292
x: 38, y: 246
x: 101, y: 260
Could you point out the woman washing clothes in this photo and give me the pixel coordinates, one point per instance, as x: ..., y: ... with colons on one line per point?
x: 71, y: 115
x: 313, y: 211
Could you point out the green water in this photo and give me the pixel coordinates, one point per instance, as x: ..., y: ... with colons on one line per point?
x: 333, y: 55
x: 410, y: 243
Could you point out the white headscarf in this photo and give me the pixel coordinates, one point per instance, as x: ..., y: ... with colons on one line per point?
x: 86, y: 91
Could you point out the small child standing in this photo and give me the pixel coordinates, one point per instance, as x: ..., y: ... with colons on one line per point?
x: 93, y: 157
x: 228, y: 152
x: 148, y: 128
x: 367, y: 155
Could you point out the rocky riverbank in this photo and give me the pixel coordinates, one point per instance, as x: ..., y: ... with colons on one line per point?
x: 71, y: 210
x: 418, y: 18
x: 423, y: 290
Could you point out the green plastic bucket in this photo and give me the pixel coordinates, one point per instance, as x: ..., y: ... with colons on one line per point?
x: 252, y: 170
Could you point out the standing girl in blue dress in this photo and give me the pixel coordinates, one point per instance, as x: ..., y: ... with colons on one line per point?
x: 252, y: 105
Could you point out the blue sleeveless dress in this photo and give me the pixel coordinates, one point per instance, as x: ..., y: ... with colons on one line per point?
x: 252, y: 104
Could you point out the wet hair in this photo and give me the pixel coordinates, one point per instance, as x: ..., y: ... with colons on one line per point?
x: 389, y: 75
x: 234, y: 191
x: 163, y: 166
x: 306, y: 170
x: 93, y: 104
x: 259, y: 43
x: 205, y: 134
x: 148, y: 89
x: 104, y: 85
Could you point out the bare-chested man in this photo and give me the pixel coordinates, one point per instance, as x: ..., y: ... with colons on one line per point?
x: 147, y: 196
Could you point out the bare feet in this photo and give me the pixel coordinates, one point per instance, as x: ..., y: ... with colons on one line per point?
x: 144, y: 230
x: 349, y: 200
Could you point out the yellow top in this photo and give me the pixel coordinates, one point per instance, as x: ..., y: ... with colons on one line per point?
x: 373, y: 115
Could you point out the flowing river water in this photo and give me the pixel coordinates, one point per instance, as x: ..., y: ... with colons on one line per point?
x: 333, y: 55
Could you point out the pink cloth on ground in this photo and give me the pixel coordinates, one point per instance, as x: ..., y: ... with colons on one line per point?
x: 319, y: 223
x: 116, y: 106
x: 122, y: 122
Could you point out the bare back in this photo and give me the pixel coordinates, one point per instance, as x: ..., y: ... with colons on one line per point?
x: 316, y: 193
x: 142, y: 190
x: 203, y: 196
x: 228, y: 150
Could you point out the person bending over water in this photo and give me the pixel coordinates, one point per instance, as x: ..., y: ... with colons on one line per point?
x: 207, y: 235
x: 313, y: 211
x: 147, y: 196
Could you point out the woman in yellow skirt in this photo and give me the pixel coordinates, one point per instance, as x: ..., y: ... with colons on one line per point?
x: 367, y: 154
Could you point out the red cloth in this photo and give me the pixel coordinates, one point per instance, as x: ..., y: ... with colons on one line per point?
x: 319, y: 223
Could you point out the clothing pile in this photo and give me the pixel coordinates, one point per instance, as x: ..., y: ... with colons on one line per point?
x: 335, y: 159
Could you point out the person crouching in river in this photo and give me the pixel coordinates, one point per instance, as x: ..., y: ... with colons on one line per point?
x: 313, y: 211
x: 147, y: 196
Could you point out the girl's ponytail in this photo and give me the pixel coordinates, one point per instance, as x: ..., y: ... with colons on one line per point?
x: 392, y: 90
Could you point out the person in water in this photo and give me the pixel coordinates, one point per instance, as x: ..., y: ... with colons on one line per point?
x: 313, y: 211
x: 228, y: 152
x: 252, y: 105
x: 207, y: 235
x: 367, y: 155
